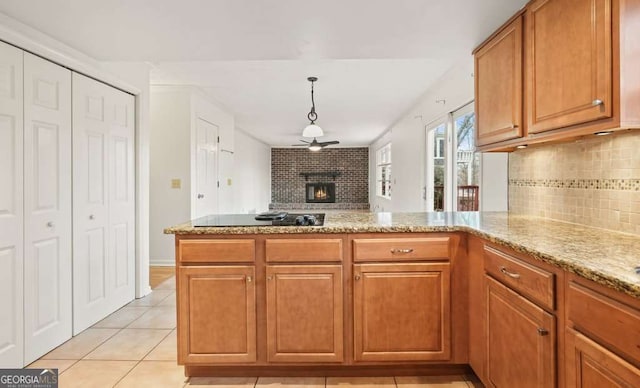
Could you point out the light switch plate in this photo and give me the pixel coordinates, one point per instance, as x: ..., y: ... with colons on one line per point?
x: 176, y: 183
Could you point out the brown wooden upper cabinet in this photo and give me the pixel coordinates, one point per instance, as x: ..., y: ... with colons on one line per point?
x: 498, y: 83
x: 569, y: 67
x: 578, y: 76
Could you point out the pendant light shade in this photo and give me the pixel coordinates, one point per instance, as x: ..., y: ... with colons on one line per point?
x: 312, y: 130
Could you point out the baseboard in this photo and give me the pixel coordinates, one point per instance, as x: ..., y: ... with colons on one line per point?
x: 162, y: 263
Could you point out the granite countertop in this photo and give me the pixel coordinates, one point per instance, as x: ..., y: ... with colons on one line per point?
x: 604, y: 256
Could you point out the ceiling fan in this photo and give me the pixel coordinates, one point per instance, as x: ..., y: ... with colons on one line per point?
x: 315, y: 145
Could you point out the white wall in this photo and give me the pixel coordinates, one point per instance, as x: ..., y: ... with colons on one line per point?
x: 174, y: 110
x: 408, y: 143
x: 170, y: 154
x: 252, y: 174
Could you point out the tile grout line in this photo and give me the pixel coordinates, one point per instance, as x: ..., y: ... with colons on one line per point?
x: 126, y: 374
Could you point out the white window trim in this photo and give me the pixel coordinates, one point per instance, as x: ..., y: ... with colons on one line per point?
x: 451, y: 148
x: 380, y: 164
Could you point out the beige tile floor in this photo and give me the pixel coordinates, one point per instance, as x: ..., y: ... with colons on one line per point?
x: 136, y: 347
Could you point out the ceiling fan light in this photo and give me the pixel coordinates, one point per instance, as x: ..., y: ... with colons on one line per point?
x: 315, y: 148
x: 312, y: 130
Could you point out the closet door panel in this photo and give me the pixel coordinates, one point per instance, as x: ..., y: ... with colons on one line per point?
x: 104, y: 201
x: 90, y: 203
x: 11, y: 207
x: 120, y: 118
x: 47, y: 196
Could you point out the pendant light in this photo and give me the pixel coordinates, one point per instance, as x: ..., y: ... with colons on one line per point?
x: 312, y: 130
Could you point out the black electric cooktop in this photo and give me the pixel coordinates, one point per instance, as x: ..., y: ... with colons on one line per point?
x: 288, y: 219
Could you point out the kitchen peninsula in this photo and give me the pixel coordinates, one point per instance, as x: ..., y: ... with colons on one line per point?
x: 410, y: 293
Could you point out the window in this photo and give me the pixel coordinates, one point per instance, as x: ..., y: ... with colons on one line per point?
x: 383, y: 171
x: 453, y: 166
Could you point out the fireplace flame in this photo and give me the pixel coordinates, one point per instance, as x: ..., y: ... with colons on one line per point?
x: 320, y: 193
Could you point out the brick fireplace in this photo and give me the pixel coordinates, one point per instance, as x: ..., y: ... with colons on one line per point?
x: 333, y: 178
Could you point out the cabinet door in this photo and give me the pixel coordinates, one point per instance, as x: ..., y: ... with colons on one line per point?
x: 304, y: 313
x: 498, y: 77
x: 47, y: 197
x: 402, y: 312
x: 590, y: 365
x: 217, y: 315
x: 569, y: 63
x: 11, y: 211
x: 520, y: 340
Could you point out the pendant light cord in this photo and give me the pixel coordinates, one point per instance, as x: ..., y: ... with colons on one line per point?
x: 312, y: 116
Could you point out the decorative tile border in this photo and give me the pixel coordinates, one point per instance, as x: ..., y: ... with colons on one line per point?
x: 593, y: 184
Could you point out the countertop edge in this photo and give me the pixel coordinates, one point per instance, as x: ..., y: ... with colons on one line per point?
x: 583, y: 271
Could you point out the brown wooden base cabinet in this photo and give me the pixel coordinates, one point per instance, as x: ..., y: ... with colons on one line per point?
x: 401, y: 312
x: 520, y: 340
x: 304, y: 313
x: 592, y: 366
x: 216, y: 314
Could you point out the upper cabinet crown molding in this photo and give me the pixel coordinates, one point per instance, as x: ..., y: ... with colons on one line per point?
x: 579, y: 73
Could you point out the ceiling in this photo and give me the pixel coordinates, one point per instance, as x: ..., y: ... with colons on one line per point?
x: 374, y: 58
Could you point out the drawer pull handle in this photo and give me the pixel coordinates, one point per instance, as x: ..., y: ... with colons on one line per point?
x: 542, y: 332
x: 249, y: 279
x: 597, y: 102
x: 509, y: 274
x: 357, y: 277
x: 409, y: 250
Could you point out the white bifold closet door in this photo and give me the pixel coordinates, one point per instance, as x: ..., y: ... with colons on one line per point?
x: 47, y: 206
x: 104, y: 200
x: 11, y: 207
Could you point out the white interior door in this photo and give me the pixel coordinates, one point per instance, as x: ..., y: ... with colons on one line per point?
x: 206, y: 171
x: 47, y: 204
x: 121, y: 248
x: 11, y: 207
x: 103, y: 202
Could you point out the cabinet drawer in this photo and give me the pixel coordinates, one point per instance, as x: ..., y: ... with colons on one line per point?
x: 401, y: 249
x: 313, y: 250
x: 536, y: 283
x: 217, y: 251
x: 604, y: 319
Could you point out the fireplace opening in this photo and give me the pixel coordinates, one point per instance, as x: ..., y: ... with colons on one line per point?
x: 321, y: 192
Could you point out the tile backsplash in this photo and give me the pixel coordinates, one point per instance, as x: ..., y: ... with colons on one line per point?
x: 593, y: 182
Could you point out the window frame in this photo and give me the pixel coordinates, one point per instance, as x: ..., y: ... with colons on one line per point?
x: 383, y: 160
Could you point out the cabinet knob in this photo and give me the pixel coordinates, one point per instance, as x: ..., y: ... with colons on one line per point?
x: 50, y: 224
x: 597, y: 102
x: 92, y: 217
x: 357, y: 277
x: 408, y: 250
x: 509, y: 274
x: 249, y: 279
x: 542, y: 331
x: 269, y: 277
x: 200, y: 196
x: 513, y: 126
